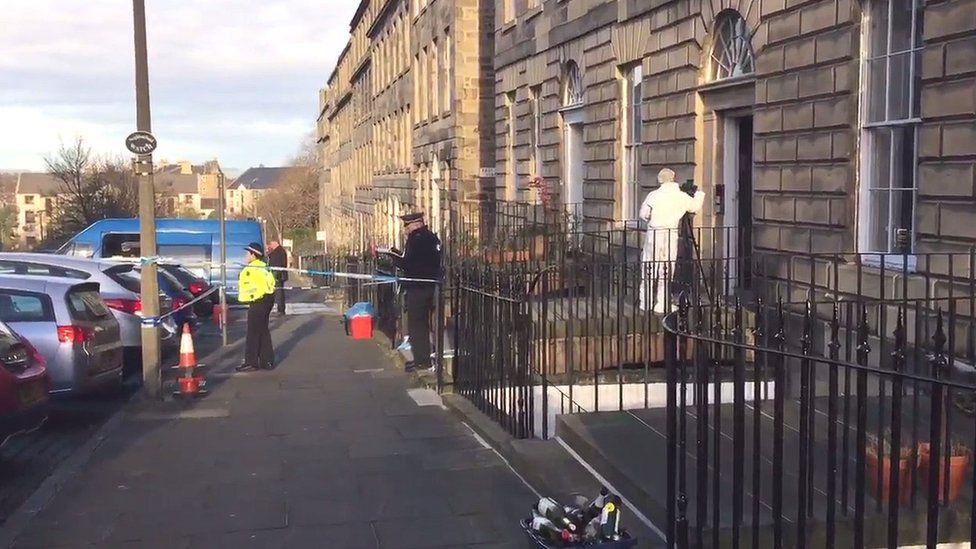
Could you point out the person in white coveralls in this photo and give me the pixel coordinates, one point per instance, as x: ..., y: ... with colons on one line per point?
x: 662, y: 210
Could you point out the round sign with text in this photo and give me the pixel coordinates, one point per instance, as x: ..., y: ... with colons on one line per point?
x: 140, y: 143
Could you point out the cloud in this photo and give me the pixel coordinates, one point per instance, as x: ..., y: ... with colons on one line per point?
x: 232, y: 79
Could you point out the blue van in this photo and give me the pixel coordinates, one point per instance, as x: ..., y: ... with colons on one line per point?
x: 191, y: 242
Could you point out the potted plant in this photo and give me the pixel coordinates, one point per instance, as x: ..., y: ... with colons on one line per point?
x: 960, y: 457
x: 878, y: 456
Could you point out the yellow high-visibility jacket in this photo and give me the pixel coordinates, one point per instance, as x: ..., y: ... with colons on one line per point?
x: 255, y: 282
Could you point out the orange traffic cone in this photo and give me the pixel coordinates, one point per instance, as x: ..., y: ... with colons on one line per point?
x: 191, y: 382
x: 188, y: 357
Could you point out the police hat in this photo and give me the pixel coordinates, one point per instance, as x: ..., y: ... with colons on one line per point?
x: 255, y: 248
x: 411, y: 217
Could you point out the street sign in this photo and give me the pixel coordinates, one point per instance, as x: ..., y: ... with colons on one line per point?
x: 140, y: 143
x: 286, y: 242
x: 320, y: 236
x: 486, y: 172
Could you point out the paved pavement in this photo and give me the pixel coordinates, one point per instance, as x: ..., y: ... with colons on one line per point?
x: 27, y: 460
x: 329, y: 450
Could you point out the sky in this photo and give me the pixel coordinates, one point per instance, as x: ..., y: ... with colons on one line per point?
x: 235, y: 80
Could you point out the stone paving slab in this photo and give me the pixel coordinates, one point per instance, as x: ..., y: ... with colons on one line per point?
x: 312, y: 454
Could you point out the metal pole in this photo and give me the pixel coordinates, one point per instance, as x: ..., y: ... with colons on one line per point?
x: 152, y: 383
x: 223, y: 256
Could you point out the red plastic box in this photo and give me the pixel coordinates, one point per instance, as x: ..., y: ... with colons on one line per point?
x: 361, y: 327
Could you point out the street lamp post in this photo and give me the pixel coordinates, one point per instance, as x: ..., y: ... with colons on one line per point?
x: 152, y: 383
x: 222, y: 214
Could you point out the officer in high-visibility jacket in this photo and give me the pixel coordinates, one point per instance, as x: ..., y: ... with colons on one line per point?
x: 256, y: 287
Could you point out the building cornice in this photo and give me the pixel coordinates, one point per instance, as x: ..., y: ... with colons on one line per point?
x: 363, y: 65
x: 358, y: 16
x: 388, y: 8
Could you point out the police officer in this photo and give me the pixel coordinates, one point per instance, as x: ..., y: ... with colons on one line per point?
x: 421, y: 259
x: 278, y: 257
x: 256, y: 287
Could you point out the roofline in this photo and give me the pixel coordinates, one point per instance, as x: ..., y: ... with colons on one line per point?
x: 342, y: 55
x: 357, y: 17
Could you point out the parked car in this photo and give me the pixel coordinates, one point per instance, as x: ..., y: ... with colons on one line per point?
x: 23, y: 385
x: 70, y: 325
x: 179, y: 297
x: 194, y: 284
x: 120, y: 287
x: 195, y: 243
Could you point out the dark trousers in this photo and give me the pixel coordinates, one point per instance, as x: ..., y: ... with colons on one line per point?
x: 420, y: 305
x: 280, y: 298
x: 258, y: 350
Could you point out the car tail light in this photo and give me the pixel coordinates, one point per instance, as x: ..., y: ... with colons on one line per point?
x: 74, y: 334
x: 131, y: 306
x: 197, y: 287
x: 35, y: 355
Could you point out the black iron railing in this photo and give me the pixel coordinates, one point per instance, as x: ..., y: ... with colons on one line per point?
x: 805, y: 448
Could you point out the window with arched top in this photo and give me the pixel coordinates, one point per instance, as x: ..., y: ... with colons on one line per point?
x: 573, y: 92
x: 732, y: 54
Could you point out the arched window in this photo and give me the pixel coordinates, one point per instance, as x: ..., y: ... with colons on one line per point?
x: 573, y: 92
x: 732, y: 54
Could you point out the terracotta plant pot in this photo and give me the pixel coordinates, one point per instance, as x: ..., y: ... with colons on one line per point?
x: 904, y: 479
x: 958, y: 465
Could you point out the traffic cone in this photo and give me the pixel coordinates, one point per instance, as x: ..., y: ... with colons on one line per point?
x: 188, y: 357
x: 191, y: 381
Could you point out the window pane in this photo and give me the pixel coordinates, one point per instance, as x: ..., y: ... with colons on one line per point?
x: 902, y: 215
x: 24, y: 308
x: 899, y: 86
x: 916, y: 75
x: 878, y: 221
x: 879, y: 159
x: 878, y: 27
x: 875, y: 87
x: 87, y: 305
x: 901, y: 25
x: 903, y: 151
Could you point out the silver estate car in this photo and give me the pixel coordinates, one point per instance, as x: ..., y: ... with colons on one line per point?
x: 70, y: 326
x: 119, y: 285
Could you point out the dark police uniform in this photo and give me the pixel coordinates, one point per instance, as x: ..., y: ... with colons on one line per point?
x: 278, y: 257
x: 421, y: 259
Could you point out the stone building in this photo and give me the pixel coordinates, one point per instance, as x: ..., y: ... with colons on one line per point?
x: 813, y: 125
x: 400, y: 120
x: 36, y: 195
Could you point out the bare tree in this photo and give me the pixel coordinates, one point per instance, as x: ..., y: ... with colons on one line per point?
x: 293, y: 203
x: 90, y: 188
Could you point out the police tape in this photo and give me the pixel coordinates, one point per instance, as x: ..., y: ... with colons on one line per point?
x: 371, y: 278
x: 157, y: 320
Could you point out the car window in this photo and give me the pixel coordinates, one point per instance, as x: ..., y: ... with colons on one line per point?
x: 127, y: 278
x: 39, y: 269
x: 86, y: 305
x: 182, y: 275
x: 25, y: 307
x: 169, y: 283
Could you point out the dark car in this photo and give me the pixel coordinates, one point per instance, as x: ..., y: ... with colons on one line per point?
x: 194, y: 284
x: 23, y: 385
x: 131, y: 275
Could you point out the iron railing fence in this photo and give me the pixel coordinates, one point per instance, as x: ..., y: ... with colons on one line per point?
x: 774, y: 442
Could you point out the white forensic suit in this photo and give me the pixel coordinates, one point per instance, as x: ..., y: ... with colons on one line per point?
x: 662, y: 210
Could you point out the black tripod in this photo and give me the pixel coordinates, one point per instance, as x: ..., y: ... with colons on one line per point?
x: 687, y: 227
